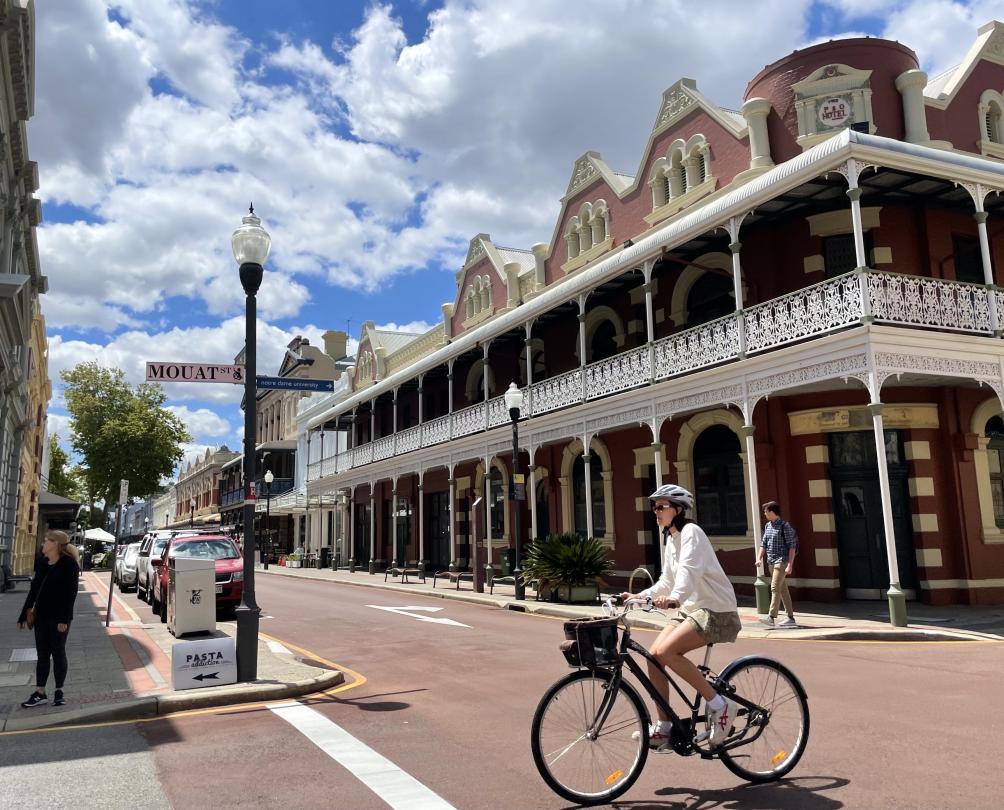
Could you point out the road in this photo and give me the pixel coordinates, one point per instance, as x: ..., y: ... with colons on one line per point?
x: 438, y: 714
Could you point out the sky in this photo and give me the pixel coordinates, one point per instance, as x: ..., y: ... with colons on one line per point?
x: 374, y: 139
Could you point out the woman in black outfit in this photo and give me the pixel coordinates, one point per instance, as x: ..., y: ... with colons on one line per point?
x: 53, y: 592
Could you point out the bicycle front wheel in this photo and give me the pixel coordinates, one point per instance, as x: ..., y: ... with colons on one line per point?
x: 575, y: 761
x: 779, y: 734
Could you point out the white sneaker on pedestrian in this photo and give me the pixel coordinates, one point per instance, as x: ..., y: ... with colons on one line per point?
x: 767, y: 620
x: 789, y: 622
x: 721, y: 721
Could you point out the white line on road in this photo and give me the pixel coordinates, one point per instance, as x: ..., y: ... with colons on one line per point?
x: 278, y: 647
x: 379, y: 774
x: 404, y: 611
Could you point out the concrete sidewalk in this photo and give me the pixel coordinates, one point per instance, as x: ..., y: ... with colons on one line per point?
x: 123, y: 672
x: 864, y: 621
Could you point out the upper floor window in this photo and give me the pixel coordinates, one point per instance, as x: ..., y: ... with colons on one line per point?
x: 992, y: 123
x: 479, y: 296
x: 686, y: 166
x: 589, y: 228
x: 712, y: 296
x: 596, y: 495
x: 968, y: 260
x: 840, y: 255
x: 720, y: 487
x: 995, y: 456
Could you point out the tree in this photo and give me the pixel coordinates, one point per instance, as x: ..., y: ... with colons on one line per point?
x: 121, y: 432
x: 63, y: 480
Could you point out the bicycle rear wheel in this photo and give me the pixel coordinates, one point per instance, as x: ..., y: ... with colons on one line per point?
x: 783, y: 728
x: 575, y: 763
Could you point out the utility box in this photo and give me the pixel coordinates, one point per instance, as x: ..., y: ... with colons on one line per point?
x: 191, y: 596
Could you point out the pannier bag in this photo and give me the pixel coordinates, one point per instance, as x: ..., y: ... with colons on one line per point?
x: 590, y: 643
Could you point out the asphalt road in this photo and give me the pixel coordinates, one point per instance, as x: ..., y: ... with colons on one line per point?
x: 440, y: 716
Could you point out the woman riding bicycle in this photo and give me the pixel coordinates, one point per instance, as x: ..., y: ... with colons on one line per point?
x: 693, y: 582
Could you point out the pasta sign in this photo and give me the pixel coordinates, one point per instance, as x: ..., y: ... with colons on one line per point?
x: 194, y: 372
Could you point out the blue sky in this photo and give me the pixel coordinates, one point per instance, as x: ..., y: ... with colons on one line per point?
x: 375, y: 140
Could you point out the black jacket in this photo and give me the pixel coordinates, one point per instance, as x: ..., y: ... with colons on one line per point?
x: 53, y: 591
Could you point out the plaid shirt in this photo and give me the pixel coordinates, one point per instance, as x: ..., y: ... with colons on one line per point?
x: 778, y: 539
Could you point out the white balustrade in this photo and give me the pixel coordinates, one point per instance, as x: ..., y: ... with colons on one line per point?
x: 556, y: 392
x: 618, y: 373
x: 469, y: 420
x: 383, y: 448
x: 362, y: 454
x: 436, y: 431
x: 918, y: 301
x: 820, y: 308
x: 314, y: 470
x: 497, y: 413
x: 408, y: 440
x: 328, y: 466
x: 344, y: 462
x: 694, y: 348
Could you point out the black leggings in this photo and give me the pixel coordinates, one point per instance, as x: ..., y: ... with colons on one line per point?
x: 50, y: 643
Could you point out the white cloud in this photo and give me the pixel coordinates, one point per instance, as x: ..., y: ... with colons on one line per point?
x: 414, y: 327
x: 201, y: 423
x: 59, y: 423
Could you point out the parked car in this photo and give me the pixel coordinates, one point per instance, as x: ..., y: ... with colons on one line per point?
x: 229, y: 569
x: 124, y: 572
x: 150, y: 551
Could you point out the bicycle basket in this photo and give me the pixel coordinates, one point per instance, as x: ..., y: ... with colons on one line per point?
x: 591, y: 643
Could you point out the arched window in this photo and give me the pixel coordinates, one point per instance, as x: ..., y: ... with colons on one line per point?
x: 470, y: 303
x: 477, y: 296
x: 486, y: 294
x: 995, y: 457
x: 539, y: 366
x: 579, y: 495
x: 604, y: 342
x: 499, y: 503
x: 712, y: 296
x: 993, y: 122
x: 572, y: 238
x: 719, y: 484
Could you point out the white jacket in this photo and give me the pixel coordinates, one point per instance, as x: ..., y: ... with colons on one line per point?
x: 692, y: 575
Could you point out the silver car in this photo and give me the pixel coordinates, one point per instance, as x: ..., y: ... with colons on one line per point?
x: 125, y: 567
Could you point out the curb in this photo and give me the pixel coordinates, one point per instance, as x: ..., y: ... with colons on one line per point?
x: 568, y: 612
x: 162, y: 705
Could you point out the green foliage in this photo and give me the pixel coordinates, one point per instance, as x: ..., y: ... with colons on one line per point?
x: 566, y: 559
x: 121, y: 432
x: 63, y: 479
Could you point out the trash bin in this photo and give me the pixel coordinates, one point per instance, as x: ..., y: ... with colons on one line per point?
x: 324, y: 560
x: 191, y: 596
x: 508, y: 561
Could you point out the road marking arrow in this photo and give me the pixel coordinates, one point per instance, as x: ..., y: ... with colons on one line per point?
x: 404, y: 612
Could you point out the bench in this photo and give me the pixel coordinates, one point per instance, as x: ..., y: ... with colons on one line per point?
x: 404, y: 573
x: 454, y: 576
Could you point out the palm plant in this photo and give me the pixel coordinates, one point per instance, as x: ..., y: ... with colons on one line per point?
x: 564, y: 560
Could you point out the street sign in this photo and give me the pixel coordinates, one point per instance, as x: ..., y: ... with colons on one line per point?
x: 208, y: 662
x: 294, y: 384
x: 123, y: 491
x: 194, y: 372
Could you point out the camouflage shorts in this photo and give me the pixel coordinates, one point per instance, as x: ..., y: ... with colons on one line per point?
x: 714, y: 628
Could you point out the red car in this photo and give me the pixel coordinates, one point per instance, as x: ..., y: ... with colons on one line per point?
x: 218, y: 547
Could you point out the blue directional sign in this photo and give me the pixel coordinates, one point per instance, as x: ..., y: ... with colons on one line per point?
x: 294, y: 384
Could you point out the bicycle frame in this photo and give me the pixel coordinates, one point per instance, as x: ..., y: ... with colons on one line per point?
x: 681, y: 738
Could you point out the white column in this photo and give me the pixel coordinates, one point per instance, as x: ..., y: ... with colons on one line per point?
x: 488, y: 511
x: 657, y: 463
x: 737, y: 285
x: 755, y: 111
x: 911, y: 87
x: 351, y: 533
x: 988, y: 270
x: 372, y: 524
x: 754, y: 488
x: 484, y: 377
x: 646, y: 271
x: 582, y: 344
x: 453, y: 518
x: 394, y: 425
x: 528, y: 326
x: 421, y: 524
x: 588, y: 480
x: 897, y: 601
x: 854, y: 194
x: 372, y: 419
x: 532, y: 496
x: 393, y: 524
x: 449, y: 393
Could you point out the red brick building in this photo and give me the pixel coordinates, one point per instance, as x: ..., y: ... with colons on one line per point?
x: 769, y: 293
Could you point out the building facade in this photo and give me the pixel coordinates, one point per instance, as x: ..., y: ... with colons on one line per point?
x: 800, y: 301
x: 197, y: 493
x: 21, y: 281
x: 33, y: 448
x: 164, y: 508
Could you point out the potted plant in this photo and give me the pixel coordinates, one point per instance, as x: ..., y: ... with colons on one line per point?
x: 567, y: 566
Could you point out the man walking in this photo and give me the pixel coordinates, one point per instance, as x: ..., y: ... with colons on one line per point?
x: 778, y: 550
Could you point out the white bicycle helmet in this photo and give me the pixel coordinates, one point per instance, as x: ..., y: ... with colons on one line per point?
x: 675, y: 494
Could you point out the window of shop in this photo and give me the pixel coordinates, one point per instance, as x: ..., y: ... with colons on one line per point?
x: 498, y: 501
x: 579, y: 495
x: 720, y: 486
x: 839, y: 256
x: 968, y: 261
x: 995, y: 456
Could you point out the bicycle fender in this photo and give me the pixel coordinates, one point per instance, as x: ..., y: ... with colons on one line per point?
x: 763, y: 659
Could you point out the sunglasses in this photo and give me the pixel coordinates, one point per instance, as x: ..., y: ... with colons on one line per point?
x: 661, y: 506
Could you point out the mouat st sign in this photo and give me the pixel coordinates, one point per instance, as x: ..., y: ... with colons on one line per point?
x: 194, y: 372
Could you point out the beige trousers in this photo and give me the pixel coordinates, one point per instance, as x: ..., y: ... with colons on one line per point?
x: 779, y: 590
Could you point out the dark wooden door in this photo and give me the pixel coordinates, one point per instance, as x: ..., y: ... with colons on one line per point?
x: 437, y: 530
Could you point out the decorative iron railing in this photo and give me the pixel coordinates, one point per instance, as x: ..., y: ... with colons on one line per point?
x: 694, y: 348
x: 556, y: 392
x: 469, y: 420
x: 618, y: 373
x: 934, y: 302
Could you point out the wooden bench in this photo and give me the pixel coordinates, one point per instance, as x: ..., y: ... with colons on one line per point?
x: 454, y: 576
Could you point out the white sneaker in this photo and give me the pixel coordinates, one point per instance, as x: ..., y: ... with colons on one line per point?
x: 721, y: 722
x: 656, y: 739
x: 767, y: 620
x: 789, y: 622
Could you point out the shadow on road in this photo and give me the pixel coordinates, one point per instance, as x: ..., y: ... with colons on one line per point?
x: 365, y: 702
x: 803, y: 793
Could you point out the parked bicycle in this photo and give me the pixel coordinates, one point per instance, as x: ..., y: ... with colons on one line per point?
x: 590, y: 733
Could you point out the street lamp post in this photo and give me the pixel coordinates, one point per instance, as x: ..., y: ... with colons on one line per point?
x: 514, y: 402
x: 266, y: 547
x: 251, y: 244
x: 146, y: 526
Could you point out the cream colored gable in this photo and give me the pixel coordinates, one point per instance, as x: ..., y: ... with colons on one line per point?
x: 989, y: 46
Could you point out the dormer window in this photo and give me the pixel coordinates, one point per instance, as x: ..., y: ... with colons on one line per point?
x: 992, y: 123
x: 687, y: 166
x: 991, y: 111
x: 587, y: 230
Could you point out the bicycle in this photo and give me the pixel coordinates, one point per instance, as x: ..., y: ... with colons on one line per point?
x: 590, y: 732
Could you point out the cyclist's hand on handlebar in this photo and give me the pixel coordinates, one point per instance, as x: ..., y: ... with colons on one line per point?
x: 663, y: 602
